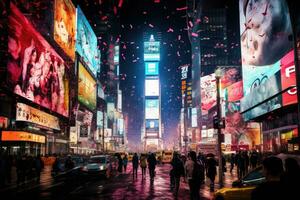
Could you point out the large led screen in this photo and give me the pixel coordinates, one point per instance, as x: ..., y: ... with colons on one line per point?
x: 86, y: 42
x: 86, y: 88
x: 64, y: 26
x: 208, y: 92
x: 152, y: 87
x: 152, y: 125
x: 151, y: 68
x: 265, y: 30
x: 152, y: 109
x: 151, y: 51
x: 34, y: 69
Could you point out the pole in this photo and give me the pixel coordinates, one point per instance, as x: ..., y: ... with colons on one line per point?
x: 219, y: 133
x: 293, y: 16
x: 103, y: 123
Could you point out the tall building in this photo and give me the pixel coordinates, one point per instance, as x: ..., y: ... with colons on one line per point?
x: 152, y: 134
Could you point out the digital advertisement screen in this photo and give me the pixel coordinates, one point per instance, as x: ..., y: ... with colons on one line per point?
x: 265, y: 45
x: 152, y: 125
x: 268, y: 89
x: 65, y: 26
x: 152, y: 109
x: 110, y: 114
x: 86, y: 42
x: 151, y: 51
x: 151, y: 68
x: 34, y: 69
x: 194, y: 118
x: 120, y: 125
x: 152, y: 87
x: 87, y: 88
x: 208, y: 92
x: 117, y: 55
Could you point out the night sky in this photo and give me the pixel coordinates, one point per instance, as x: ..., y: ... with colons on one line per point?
x: 168, y: 18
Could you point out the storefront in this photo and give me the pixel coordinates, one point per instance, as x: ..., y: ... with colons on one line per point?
x: 22, y: 142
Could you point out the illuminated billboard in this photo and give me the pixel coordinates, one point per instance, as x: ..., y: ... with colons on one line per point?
x: 22, y: 136
x: 117, y: 55
x: 152, y: 87
x: 120, y: 126
x: 151, y: 51
x: 265, y: 45
x: 194, y: 118
x: 151, y: 68
x: 86, y: 88
x: 29, y: 114
x: 34, y: 69
x: 86, y: 42
x: 65, y: 26
x: 152, y: 109
x: 152, y: 125
x: 208, y: 92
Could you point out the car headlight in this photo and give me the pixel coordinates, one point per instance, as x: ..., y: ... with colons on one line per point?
x: 84, y: 169
x: 101, y: 167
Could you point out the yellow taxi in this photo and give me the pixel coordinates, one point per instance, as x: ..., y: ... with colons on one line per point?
x: 241, y: 189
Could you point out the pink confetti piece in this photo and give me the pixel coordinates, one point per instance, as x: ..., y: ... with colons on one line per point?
x: 115, y: 10
x: 151, y: 25
x: 178, y: 54
x: 103, y: 18
x: 170, y: 30
x: 120, y: 3
x: 183, y: 8
x: 194, y: 34
x: 179, y: 37
x: 191, y: 24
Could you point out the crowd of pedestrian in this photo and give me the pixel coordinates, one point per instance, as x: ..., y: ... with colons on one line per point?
x: 27, y: 168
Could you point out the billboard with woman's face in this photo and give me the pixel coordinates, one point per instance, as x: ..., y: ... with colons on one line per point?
x: 34, y: 70
x: 86, y: 42
x: 64, y: 26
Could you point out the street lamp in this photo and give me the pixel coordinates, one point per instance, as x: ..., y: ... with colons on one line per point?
x: 218, y: 75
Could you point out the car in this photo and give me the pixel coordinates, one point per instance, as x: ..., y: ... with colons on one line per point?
x: 242, y: 189
x: 100, y: 165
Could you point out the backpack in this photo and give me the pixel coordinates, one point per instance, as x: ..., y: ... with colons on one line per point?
x: 198, y: 172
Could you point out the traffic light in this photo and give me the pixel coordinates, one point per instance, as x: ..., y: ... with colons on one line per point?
x: 216, y: 122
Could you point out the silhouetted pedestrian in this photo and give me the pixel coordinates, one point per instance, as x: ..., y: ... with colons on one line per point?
x: 125, y: 162
x: 272, y: 188
x: 120, y: 163
x: 177, y: 172
x: 135, y: 164
x: 211, y: 170
x: 39, y: 166
x: 151, y: 165
x: 291, y: 178
x: 232, y: 161
x: 143, y: 164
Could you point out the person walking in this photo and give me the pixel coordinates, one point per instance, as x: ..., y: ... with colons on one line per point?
x: 178, y: 172
x: 143, y: 164
x: 69, y: 163
x: 125, y: 162
x: 272, y: 188
x: 232, y: 161
x: 151, y: 165
x: 135, y: 164
x: 211, y: 171
x: 120, y: 163
x: 253, y: 159
x: 291, y: 177
x: 21, y: 170
x: 39, y: 166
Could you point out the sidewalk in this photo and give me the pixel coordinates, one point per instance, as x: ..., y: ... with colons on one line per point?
x: 46, y: 179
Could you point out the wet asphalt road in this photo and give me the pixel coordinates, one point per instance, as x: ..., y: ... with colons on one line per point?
x: 120, y: 187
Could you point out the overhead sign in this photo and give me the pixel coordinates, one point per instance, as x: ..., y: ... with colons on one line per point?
x: 29, y: 114
x: 22, y: 136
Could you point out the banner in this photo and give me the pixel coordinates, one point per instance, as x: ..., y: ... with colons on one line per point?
x: 29, y: 114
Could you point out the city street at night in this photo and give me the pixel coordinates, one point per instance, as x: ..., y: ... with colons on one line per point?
x: 121, y: 186
x: 149, y: 99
